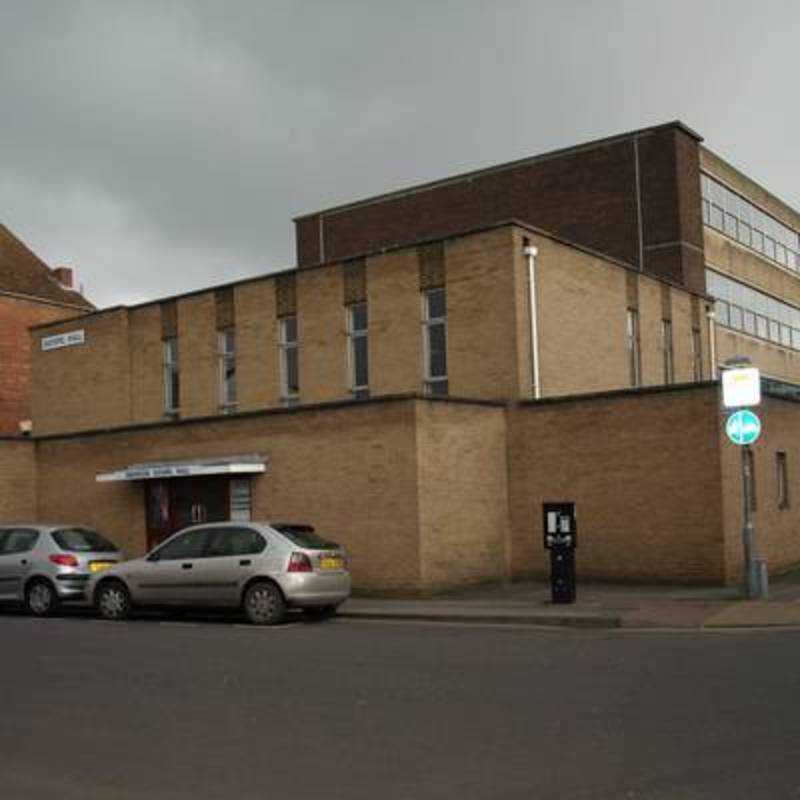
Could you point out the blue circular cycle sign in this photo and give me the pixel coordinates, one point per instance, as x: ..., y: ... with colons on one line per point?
x: 743, y: 427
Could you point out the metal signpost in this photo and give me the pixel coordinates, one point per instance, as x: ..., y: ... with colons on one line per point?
x: 741, y: 387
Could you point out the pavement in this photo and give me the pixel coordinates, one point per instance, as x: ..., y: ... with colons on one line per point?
x: 598, y: 605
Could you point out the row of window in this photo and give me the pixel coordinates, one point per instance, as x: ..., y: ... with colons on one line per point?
x: 744, y: 309
x: 434, y: 338
x: 634, y: 349
x: 739, y: 219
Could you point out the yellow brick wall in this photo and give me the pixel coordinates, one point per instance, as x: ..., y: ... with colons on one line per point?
x: 147, y: 362
x: 395, y: 336
x: 351, y: 472
x: 481, y: 327
x: 83, y: 386
x: 463, y: 499
x: 777, y: 530
x: 17, y: 480
x: 781, y: 363
x: 644, y: 471
x: 197, y: 340
x: 257, y: 374
x: 321, y: 333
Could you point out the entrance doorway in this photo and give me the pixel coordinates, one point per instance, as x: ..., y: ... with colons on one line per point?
x: 179, y: 502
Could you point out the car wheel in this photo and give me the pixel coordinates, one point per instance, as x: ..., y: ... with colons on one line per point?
x: 41, y: 599
x: 320, y: 612
x: 113, y: 601
x: 264, y: 604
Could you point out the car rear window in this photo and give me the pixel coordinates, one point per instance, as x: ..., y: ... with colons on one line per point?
x: 82, y: 540
x: 305, y: 536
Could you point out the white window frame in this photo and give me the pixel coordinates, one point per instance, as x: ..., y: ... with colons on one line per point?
x: 633, y: 347
x: 284, y: 346
x: 697, y: 355
x: 353, y: 334
x: 433, y: 382
x: 667, y: 351
x: 171, y: 367
x: 226, y: 355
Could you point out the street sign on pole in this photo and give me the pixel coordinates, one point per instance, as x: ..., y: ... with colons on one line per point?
x: 743, y: 427
x: 741, y: 387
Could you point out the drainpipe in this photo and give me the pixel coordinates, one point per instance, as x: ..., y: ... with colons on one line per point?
x: 712, y: 341
x: 530, y: 253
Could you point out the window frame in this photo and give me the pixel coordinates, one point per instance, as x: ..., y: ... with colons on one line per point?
x: 171, y: 374
x: 353, y: 335
x: 436, y: 385
x: 285, y: 346
x: 633, y: 347
x: 667, y: 351
x: 226, y: 356
x: 782, y: 480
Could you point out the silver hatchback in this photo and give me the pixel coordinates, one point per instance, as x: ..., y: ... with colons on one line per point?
x: 263, y: 568
x: 45, y: 565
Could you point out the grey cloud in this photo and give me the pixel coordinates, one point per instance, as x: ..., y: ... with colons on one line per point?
x: 164, y: 146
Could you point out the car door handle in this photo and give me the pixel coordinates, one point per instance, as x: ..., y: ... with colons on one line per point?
x: 245, y: 562
x: 24, y: 561
x: 186, y: 566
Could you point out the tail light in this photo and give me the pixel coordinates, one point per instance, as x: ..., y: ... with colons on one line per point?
x: 64, y: 561
x: 300, y: 562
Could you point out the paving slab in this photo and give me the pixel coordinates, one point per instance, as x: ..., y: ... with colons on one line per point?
x: 756, y: 614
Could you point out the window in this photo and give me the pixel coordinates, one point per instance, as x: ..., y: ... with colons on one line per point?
x: 18, y: 540
x: 172, y: 383
x: 82, y: 540
x: 357, y: 349
x: 227, y: 367
x: 288, y: 359
x: 697, y: 355
x: 782, y: 480
x: 738, y: 218
x: 434, y: 340
x: 743, y: 308
x: 234, y: 542
x: 634, y: 354
x: 240, y: 499
x: 187, y: 545
x: 666, y: 350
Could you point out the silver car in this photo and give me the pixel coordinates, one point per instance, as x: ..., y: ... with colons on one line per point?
x: 44, y: 565
x: 262, y: 568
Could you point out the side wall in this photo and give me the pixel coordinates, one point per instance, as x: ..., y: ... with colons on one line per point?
x: 351, y: 472
x: 17, y: 480
x: 777, y: 529
x: 644, y: 472
x: 463, y: 494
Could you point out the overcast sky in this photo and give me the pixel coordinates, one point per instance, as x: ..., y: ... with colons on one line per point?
x: 163, y: 146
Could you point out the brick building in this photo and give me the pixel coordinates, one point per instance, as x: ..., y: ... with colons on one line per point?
x: 30, y: 293
x: 442, y: 361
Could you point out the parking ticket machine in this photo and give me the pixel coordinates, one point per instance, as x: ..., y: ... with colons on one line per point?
x: 561, y: 538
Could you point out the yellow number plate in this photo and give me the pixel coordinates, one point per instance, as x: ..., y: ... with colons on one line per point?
x: 331, y: 562
x: 99, y: 566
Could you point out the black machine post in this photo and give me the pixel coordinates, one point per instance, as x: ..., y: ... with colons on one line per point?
x: 561, y: 538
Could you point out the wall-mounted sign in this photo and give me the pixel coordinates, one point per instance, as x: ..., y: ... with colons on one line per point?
x: 243, y: 465
x: 69, y: 339
x: 741, y: 387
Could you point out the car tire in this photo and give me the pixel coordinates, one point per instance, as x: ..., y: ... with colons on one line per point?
x: 318, y: 613
x: 113, y: 601
x: 41, y: 598
x: 263, y: 604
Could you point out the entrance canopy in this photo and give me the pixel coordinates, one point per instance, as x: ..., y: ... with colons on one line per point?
x: 225, y: 465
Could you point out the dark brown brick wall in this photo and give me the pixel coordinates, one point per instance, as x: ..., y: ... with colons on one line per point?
x: 585, y: 195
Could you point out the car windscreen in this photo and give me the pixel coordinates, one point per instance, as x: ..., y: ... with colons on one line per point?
x: 82, y: 540
x: 305, y: 536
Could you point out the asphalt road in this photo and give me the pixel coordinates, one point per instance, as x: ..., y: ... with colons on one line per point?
x: 92, y: 710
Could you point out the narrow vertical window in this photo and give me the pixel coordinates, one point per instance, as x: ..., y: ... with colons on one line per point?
x: 172, y: 384
x: 666, y: 351
x: 357, y: 349
x: 288, y: 359
x: 782, y: 480
x: 634, y: 354
x: 434, y: 339
x: 226, y: 355
x: 697, y: 355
